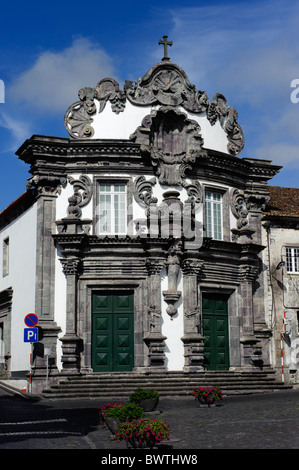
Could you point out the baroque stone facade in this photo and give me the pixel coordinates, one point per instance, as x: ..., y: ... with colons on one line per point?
x: 157, y: 215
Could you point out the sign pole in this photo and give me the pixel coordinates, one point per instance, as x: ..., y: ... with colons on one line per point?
x: 30, y: 375
x: 31, y: 335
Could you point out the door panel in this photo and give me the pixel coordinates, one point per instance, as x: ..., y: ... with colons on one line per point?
x: 113, y: 332
x: 215, y: 330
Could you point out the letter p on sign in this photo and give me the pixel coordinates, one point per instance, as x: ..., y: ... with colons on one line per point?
x: 30, y: 335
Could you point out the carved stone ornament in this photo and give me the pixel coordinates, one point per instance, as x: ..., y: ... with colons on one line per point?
x: 108, y: 90
x: 81, y: 197
x: 173, y: 142
x: 46, y: 185
x: 143, y: 191
x: 219, y: 109
x: 239, y: 207
x: 172, y: 295
x: 70, y: 266
x: 165, y: 84
x: 78, y: 118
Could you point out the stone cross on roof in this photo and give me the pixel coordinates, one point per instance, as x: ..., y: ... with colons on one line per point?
x: 165, y: 44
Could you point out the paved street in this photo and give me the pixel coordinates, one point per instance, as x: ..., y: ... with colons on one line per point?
x: 266, y: 421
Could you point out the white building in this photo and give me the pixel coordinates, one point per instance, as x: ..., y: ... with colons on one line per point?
x: 139, y: 240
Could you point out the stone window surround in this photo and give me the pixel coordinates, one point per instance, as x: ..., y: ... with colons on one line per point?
x: 225, y: 209
x: 290, y: 245
x: 128, y: 180
x: 5, y: 318
x: 5, y: 259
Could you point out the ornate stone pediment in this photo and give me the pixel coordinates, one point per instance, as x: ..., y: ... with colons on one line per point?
x: 173, y: 142
x: 166, y: 84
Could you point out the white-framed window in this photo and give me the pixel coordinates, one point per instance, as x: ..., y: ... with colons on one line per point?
x: 213, y: 215
x: 5, y: 261
x: 292, y: 259
x: 112, y: 207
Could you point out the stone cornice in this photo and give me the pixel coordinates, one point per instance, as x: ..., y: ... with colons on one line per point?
x: 59, y: 156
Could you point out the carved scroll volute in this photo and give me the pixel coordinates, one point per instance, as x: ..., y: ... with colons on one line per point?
x: 219, y: 109
x: 108, y: 90
x: 143, y: 191
x: 81, y: 197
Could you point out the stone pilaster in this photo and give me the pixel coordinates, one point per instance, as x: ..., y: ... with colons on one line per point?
x: 46, y: 189
x: 251, y: 348
x: 154, y: 338
x: 71, y: 343
x: 192, y: 339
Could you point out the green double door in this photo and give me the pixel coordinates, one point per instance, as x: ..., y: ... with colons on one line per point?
x: 112, y: 332
x: 215, y: 331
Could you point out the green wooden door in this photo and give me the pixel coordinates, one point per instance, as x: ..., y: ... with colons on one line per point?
x: 215, y: 331
x: 112, y: 332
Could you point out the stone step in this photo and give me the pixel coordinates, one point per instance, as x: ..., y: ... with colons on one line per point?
x: 164, y: 383
x: 168, y: 383
x: 163, y: 393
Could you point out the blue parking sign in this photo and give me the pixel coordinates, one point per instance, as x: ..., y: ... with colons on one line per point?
x: 30, y: 335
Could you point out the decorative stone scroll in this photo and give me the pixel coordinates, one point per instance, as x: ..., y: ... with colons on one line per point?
x: 108, y: 90
x: 78, y: 118
x: 219, y: 109
x: 81, y: 197
x: 143, y: 191
x: 239, y: 207
x: 165, y: 84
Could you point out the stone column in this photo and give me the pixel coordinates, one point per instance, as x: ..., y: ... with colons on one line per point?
x: 252, y: 350
x: 47, y: 189
x: 71, y: 343
x: 154, y: 338
x: 192, y: 339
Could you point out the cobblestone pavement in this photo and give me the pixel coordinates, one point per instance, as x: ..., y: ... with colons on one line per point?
x: 260, y: 421
x: 266, y: 421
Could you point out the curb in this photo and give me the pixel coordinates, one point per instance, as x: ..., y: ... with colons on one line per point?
x: 19, y: 393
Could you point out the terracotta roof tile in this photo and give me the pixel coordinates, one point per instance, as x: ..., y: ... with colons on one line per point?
x: 284, y: 202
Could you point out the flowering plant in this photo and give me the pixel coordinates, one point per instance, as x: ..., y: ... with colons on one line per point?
x: 141, y: 394
x: 209, y: 394
x: 122, y: 412
x: 143, y: 431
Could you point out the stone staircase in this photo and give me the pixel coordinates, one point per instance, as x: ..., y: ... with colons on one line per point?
x: 120, y: 385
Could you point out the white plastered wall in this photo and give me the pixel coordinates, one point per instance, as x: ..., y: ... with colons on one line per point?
x: 21, y: 277
x: 109, y: 125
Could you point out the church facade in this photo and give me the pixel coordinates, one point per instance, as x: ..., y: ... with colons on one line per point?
x: 138, y: 242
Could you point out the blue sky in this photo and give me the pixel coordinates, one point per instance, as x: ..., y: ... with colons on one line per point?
x: 248, y: 51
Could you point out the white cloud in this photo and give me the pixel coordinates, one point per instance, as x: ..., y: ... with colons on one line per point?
x: 53, y: 82
x: 248, y: 51
x: 18, y: 129
x: 283, y: 154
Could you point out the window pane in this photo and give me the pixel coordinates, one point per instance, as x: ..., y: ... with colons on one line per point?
x: 213, y: 215
x: 292, y: 259
x: 112, y: 208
